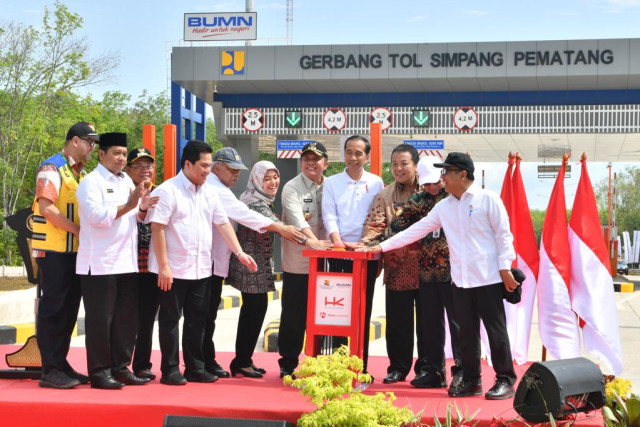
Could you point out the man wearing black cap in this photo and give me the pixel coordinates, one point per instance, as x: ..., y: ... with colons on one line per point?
x: 140, y: 164
x: 55, y: 245
x: 107, y: 263
x: 227, y: 165
x: 302, y: 208
x: 481, y: 252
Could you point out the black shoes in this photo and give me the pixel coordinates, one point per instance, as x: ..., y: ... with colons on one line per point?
x: 251, y: 374
x: 466, y: 388
x: 200, y: 376
x: 457, y: 379
x: 218, y: 371
x: 502, y: 389
x: 430, y: 379
x: 128, y: 378
x: 57, y: 379
x: 106, y: 383
x: 394, y: 377
x: 262, y: 371
x: 146, y: 373
x: 174, y: 378
x: 284, y: 372
x: 84, y: 379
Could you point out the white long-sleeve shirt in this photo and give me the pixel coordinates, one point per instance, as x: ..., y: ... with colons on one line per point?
x: 478, y: 234
x: 346, y: 203
x: 236, y: 211
x: 107, y: 245
x: 189, y: 213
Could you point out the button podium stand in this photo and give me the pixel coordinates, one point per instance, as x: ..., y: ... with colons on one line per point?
x: 336, y: 301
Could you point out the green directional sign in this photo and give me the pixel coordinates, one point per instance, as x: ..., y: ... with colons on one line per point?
x: 420, y: 118
x: 293, y: 119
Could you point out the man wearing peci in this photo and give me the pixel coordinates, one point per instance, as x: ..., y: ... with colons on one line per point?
x: 107, y: 263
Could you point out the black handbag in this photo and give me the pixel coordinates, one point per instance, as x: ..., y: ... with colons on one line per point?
x: 515, y: 296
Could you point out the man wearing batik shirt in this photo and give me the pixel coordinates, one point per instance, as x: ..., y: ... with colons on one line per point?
x: 55, y: 247
x: 140, y: 164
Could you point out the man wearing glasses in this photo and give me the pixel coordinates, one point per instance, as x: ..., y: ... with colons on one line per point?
x: 481, y: 252
x: 56, y: 227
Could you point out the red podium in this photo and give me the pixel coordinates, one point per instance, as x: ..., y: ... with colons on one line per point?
x: 336, y: 301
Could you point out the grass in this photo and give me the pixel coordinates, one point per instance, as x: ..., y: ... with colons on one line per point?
x: 14, y: 283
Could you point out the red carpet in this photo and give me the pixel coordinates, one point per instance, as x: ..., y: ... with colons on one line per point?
x: 23, y: 403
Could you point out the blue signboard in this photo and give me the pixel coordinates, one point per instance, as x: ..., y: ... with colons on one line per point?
x: 292, y: 144
x: 425, y: 144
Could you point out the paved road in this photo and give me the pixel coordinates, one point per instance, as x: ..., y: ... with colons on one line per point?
x: 628, y: 317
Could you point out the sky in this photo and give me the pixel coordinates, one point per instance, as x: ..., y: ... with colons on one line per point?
x: 141, y: 33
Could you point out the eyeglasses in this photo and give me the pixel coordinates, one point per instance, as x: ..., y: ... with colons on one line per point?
x: 447, y: 170
x: 90, y: 141
x: 140, y: 167
x: 429, y: 184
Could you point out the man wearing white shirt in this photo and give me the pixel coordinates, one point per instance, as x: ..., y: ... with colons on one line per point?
x: 107, y: 264
x: 227, y: 165
x: 481, y: 252
x: 346, y: 200
x: 182, y: 225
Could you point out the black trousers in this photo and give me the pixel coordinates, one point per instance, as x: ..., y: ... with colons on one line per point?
x: 471, y: 305
x: 111, y: 321
x: 192, y: 297
x: 148, y: 304
x: 208, y: 347
x: 399, y: 307
x: 435, y: 298
x: 346, y: 266
x: 252, y: 312
x: 57, y: 308
x: 293, y: 319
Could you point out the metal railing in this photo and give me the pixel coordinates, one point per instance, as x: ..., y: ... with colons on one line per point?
x: 491, y: 120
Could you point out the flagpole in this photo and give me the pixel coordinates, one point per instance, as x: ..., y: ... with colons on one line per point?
x: 609, y: 233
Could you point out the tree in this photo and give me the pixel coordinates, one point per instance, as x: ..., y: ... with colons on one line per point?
x: 39, y: 68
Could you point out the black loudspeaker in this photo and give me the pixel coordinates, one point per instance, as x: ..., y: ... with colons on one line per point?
x: 559, y: 388
x: 184, y: 421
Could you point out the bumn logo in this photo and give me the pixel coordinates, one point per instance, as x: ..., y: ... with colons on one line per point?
x: 232, y: 62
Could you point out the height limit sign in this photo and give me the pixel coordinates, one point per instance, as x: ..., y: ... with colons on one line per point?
x: 381, y: 115
x: 252, y: 119
x: 465, y: 119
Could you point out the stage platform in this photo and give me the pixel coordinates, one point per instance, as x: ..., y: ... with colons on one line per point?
x: 23, y: 403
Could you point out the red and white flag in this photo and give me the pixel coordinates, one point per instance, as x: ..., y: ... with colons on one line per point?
x: 527, y: 260
x: 556, y: 321
x: 592, y: 294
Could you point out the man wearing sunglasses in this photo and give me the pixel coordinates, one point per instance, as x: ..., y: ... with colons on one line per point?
x: 56, y: 227
x: 481, y: 252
